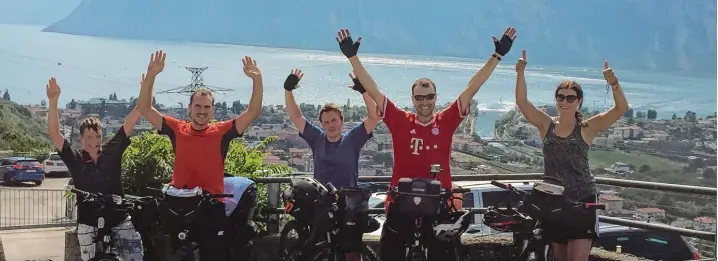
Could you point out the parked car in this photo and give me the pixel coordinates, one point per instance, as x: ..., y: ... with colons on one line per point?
x: 54, y: 165
x: 647, y: 244
x: 21, y: 169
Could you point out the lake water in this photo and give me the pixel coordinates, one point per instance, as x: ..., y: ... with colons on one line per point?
x: 88, y: 67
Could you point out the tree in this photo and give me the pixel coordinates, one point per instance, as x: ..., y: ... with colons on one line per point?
x: 651, y: 114
x: 43, y: 103
x: 690, y: 116
x: 644, y: 168
x: 629, y: 113
x: 709, y: 174
x: 236, y: 107
x: 674, y: 117
x: 640, y: 115
x: 103, y: 109
x: 73, y: 104
x: 6, y: 96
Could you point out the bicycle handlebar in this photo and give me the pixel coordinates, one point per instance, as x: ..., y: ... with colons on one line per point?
x: 510, y: 188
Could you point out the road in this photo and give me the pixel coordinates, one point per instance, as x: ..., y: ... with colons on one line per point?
x: 28, y: 205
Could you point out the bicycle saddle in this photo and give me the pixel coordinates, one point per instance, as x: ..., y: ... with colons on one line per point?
x: 548, y: 188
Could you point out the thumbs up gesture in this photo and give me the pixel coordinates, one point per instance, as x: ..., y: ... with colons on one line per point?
x: 609, y: 75
x: 521, y: 63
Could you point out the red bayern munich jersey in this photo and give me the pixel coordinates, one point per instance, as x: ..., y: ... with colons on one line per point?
x: 417, y: 145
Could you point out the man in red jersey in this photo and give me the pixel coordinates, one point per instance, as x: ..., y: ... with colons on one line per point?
x: 422, y: 138
x: 200, y: 148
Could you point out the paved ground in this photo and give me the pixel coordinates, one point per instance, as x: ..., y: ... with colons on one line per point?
x: 34, y: 244
x: 26, y: 204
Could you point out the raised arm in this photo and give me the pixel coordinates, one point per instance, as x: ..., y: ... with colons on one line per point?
x: 602, y: 121
x: 144, y: 101
x: 254, y: 109
x: 295, y: 114
x: 372, y: 118
x: 131, y: 120
x: 349, y: 49
x: 502, y: 47
x: 535, y: 116
x: 53, y: 115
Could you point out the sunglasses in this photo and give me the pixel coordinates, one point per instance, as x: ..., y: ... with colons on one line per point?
x: 568, y: 98
x: 427, y: 97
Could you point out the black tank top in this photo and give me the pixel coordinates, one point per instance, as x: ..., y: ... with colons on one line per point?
x: 567, y: 160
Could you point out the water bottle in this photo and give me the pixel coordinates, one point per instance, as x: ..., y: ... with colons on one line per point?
x: 331, y: 188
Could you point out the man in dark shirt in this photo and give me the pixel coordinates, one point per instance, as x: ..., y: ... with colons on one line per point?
x: 95, y: 168
x: 200, y: 147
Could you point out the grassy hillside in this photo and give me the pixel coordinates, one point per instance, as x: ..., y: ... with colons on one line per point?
x: 21, y: 132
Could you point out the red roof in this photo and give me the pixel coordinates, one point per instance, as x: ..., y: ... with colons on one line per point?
x: 610, y: 198
x: 708, y: 220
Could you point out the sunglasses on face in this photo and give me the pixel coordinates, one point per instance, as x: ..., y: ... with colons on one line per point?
x: 427, y: 97
x: 568, y: 98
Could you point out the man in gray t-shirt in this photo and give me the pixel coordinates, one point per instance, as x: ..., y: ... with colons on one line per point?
x: 335, y: 154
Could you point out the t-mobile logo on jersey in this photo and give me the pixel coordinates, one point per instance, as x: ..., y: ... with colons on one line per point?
x: 417, y: 145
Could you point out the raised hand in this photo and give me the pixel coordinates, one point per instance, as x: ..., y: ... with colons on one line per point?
x: 609, y: 75
x: 157, y: 63
x: 357, y: 84
x: 52, y: 89
x: 346, y: 44
x: 292, y: 81
x: 503, y: 46
x: 521, y: 63
x: 250, y: 68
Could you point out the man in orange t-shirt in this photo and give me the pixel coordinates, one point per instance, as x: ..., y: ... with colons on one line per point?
x: 200, y: 148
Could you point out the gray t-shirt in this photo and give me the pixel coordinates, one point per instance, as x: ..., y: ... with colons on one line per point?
x: 336, y: 162
x: 567, y: 160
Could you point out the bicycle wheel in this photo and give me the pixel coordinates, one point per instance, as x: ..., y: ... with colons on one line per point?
x: 368, y: 254
x: 291, y: 240
x: 106, y: 257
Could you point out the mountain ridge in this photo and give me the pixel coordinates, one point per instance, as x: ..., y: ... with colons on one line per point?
x: 661, y: 35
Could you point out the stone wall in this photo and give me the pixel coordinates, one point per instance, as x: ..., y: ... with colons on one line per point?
x: 475, y: 249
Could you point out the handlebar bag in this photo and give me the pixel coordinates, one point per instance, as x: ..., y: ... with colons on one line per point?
x: 418, y: 197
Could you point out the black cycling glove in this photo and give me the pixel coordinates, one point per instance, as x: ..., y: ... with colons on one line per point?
x: 349, y: 47
x: 291, y: 82
x: 357, y: 86
x: 503, y: 46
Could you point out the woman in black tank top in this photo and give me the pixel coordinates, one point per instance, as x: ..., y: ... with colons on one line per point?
x: 566, y: 140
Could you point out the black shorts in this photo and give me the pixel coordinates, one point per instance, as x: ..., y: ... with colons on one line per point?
x: 585, y: 227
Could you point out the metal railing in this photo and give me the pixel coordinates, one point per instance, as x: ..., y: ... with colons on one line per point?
x: 35, y: 208
x: 274, y: 198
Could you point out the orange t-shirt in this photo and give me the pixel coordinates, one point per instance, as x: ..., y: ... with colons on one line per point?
x: 199, y: 154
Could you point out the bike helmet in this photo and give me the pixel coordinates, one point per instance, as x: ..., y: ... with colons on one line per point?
x: 503, y: 220
x: 305, y: 189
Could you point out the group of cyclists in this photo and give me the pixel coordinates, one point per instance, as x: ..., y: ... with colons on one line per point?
x: 420, y: 139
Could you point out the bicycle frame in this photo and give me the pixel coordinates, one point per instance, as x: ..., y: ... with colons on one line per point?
x: 530, y: 236
x: 417, y: 249
x: 103, y: 240
x: 187, y: 218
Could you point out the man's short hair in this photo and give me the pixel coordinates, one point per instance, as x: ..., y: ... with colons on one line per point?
x: 90, y: 123
x: 423, y: 82
x: 331, y: 107
x: 203, y: 92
